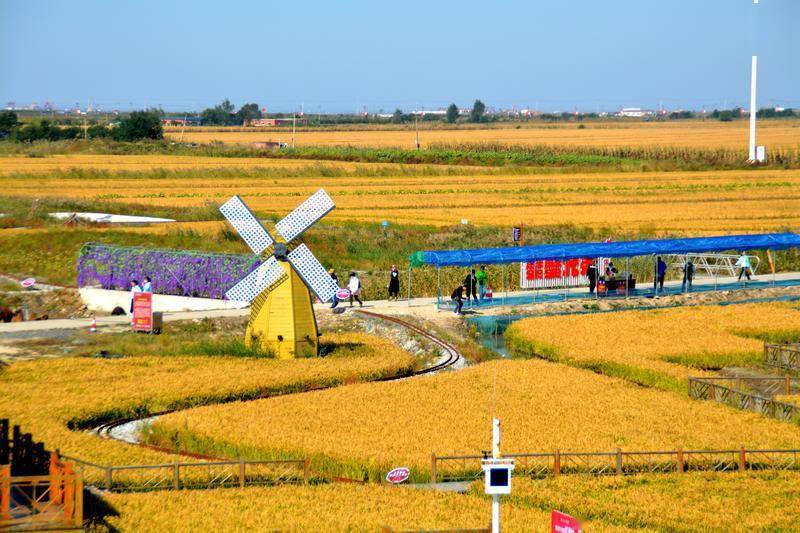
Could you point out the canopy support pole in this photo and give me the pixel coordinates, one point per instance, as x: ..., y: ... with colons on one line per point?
x: 774, y: 264
x: 627, y: 275
x: 597, y: 278
x: 564, y: 277
x: 438, y: 289
x: 409, y: 283
x: 686, y: 274
x: 505, y: 287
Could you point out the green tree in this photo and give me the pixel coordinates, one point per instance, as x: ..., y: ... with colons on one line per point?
x: 8, y: 121
x: 397, y: 117
x: 478, y: 110
x: 247, y: 112
x: 139, y: 125
x: 452, y: 113
x: 219, y: 115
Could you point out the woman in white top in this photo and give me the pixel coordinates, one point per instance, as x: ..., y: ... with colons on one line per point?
x: 744, y: 266
x: 354, y: 286
x: 134, y: 289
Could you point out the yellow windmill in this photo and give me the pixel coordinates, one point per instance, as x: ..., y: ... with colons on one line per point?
x: 279, y: 290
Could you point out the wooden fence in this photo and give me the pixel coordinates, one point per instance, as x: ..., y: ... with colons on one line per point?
x: 785, y: 356
x: 540, y: 465
x: 734, y: 392
x: 199, y: 475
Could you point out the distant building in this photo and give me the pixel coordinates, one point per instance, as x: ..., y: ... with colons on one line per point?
x: 268, y: 122
x: 180, y: 121
x: 634, y: 112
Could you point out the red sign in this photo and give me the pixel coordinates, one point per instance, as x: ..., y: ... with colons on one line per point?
x: 142, y: 311
x: 398, y: 475
x: 563, y: 523
x: 552, y: 269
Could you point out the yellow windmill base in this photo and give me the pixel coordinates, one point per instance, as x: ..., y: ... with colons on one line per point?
x: 282, y: 320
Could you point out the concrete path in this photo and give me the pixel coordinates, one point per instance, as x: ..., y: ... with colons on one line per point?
x: 423, y: 307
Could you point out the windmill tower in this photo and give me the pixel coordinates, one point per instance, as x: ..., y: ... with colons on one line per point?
x: 279, y: 290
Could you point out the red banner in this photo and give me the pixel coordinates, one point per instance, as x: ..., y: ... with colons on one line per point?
x: 563, y: 523
x: 552, y: 269
x: 143, y: 311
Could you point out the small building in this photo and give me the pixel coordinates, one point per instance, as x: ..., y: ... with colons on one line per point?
x: 634, y: 112
x: 269, y: 145
x: 269, y: 122
x: 180, y: 121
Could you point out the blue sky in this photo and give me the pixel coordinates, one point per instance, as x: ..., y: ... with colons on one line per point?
x: 343, y: 55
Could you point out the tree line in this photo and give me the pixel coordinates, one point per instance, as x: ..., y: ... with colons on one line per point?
x: 138, y: 125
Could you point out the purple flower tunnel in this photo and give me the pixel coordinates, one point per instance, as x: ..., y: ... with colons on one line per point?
x: 177, y: 272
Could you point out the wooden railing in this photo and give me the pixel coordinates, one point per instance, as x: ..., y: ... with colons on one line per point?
x: 202, y: 474
x: 785, y: 356
x: 733, y: 392
x: 619, y: 462
x: 53, y: 501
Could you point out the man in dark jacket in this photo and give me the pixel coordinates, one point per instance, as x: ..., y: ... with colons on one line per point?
x: 688, y: 274
x: 457, y: 298
x: 591, y: 274
x: 471, y: 283
x: 661, y: 272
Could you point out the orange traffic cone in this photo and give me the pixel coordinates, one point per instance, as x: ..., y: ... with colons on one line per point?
x: 93, y: 327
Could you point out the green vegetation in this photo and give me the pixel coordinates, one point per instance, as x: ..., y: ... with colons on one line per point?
x: 135, y: 126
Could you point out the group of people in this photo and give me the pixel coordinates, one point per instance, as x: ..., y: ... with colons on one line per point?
x: 354, y: 287
x: 475, y: 286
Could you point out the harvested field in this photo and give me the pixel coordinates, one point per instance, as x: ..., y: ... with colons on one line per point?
x: 699, y: 134
x: 654, y: 202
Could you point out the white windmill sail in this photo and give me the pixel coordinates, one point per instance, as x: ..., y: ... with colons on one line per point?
x: 313, y: 273
x: 256, y: 282
x: 246, y: 223
x: 305, y: 215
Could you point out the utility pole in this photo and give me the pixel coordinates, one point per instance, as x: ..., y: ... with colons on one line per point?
x: 416, y: 129
x: 294, y: 123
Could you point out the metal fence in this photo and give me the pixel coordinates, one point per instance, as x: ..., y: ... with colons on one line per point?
x: 733, y: 392
x: 619, y: 462
x: 198, y: 475
x: 785, y: 356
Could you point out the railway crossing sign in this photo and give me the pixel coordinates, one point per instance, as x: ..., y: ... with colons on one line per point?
x: 279, y: 289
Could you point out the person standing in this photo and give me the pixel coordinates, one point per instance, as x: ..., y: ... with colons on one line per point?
x: 394, y: 283
x: 591, y: 275
x: 147, y: 286
x: 335, y: 279
x: 688, y: 274
x: 457, y: 298
x: 661, y: 272
x: 471, y: 283
x: 744, y: 266
x: 354, y: 286
x: 480, y: 277
x: 134, y: 289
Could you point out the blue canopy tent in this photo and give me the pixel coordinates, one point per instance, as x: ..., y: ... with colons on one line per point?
x: 626, y: 249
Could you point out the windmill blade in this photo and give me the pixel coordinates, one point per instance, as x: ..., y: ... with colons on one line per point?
x: 267, y: 274
x: 246, y: 223
x: 305, y: 215
x: 313, y: 273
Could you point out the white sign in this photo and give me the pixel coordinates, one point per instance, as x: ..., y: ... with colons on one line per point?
x: 398, y: 475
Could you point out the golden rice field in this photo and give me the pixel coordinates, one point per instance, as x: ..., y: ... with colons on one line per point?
x: 674, y: 342
x: 44, y: 395
x: 697, y: 134
x: 673, y: 202
x: 369, y: 428
x: 316, y: 508
x: 763, y: 501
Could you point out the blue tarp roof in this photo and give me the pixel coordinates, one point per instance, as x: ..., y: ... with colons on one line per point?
x: 516, y: 254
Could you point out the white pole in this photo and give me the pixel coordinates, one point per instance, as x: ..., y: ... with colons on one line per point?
x: 495, y: 513
x: 753, y: 107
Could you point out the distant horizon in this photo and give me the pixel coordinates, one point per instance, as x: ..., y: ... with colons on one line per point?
x: 356, y: 56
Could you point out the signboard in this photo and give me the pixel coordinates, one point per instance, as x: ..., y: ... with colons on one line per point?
x: 28, y: 282
x: 343, y: 294
x: 398, y: 475
x: 143, y: 311
x: 516, y: 233
x: 543, y: 274
x: 563, y: 523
